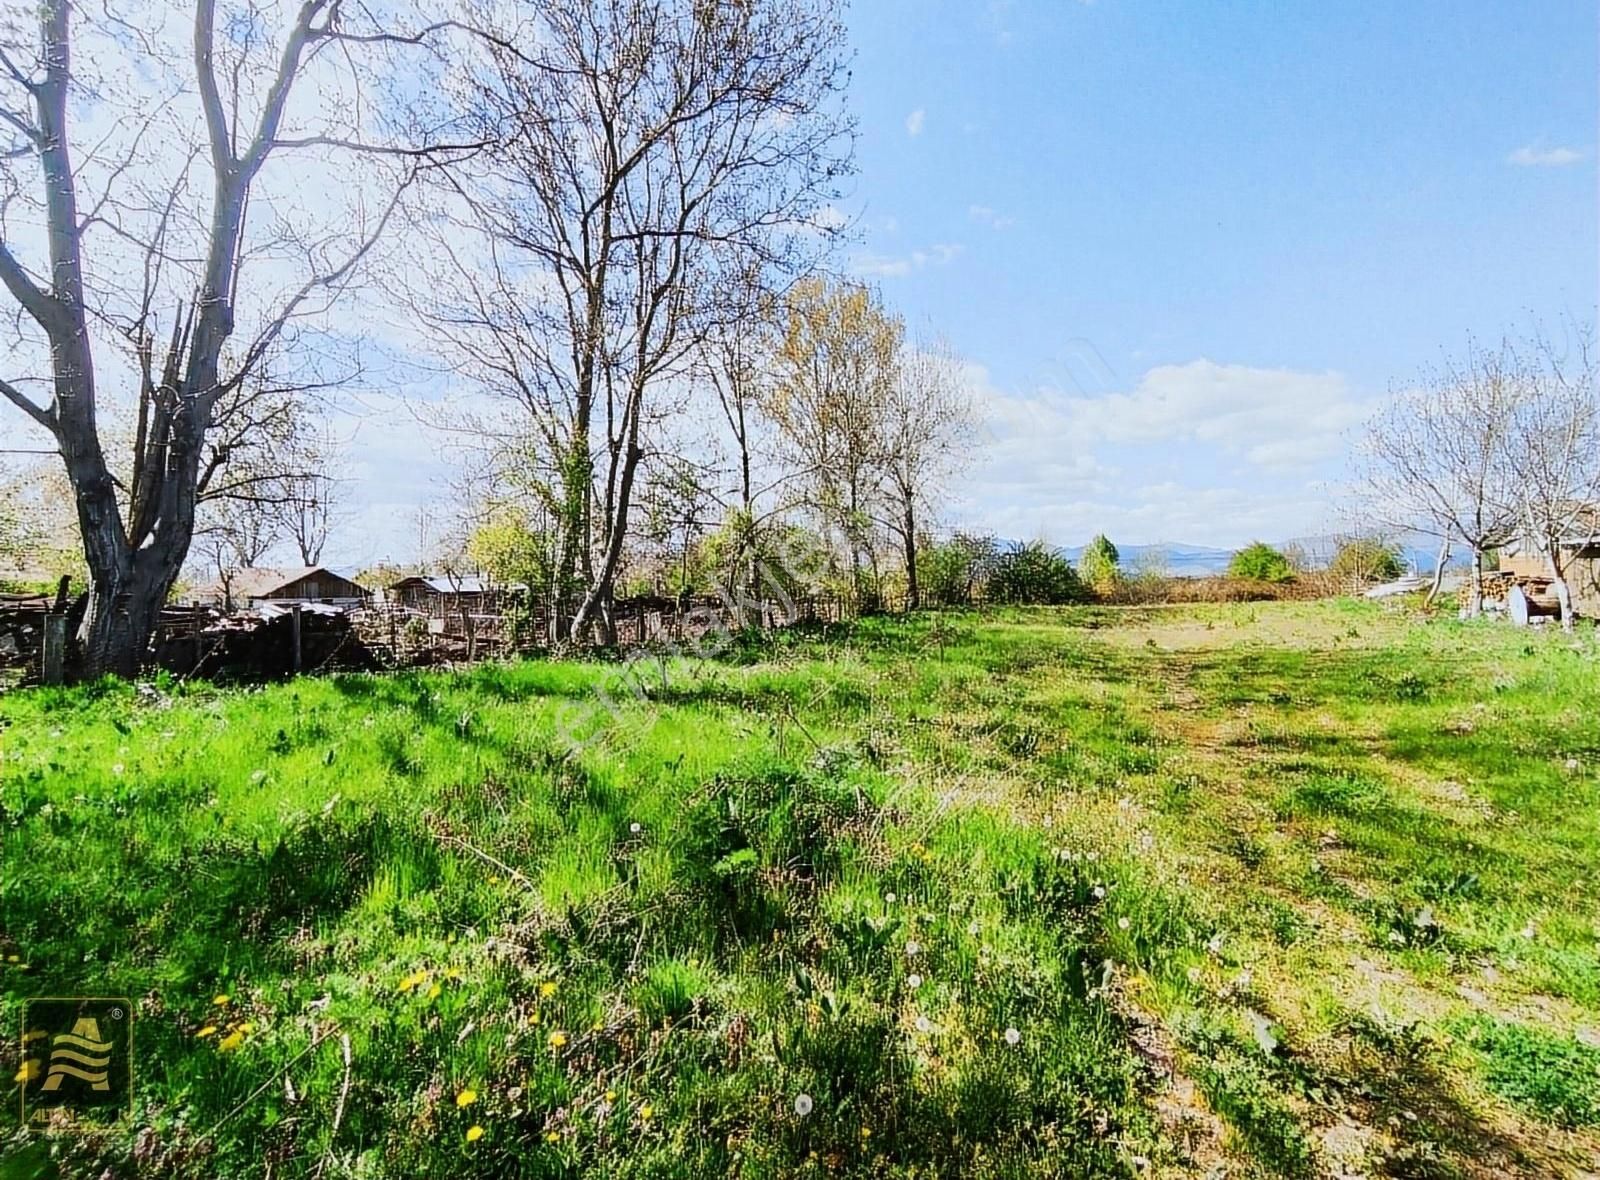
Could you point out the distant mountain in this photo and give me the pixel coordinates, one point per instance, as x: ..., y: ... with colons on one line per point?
x: 1418, y: 552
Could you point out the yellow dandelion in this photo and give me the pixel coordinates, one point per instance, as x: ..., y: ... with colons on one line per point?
x: 553, y: 1137
x: 466, y: 1097
x: 13, y: 958
x: 220, y: 1001
x: 230, y: 1042
x: 598, y: 1025
x: 866, y: 1132
x: 31, y: 1068
x: 611, y: 1095
x: 557, y: 1040
x: 533, y: 1018
x: 547, y: 989
x: 453, y: 974
x: 207, y: 1031
x: 646, y: 1112
x: 474, y: 1133
x: 433, y: 992
x: 247, y: 1028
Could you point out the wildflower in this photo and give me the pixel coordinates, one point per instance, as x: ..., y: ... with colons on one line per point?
x: 230, y: 1042
x: 866, y: 1132
x: 453, y: 974
x: 1099, y: 892
x: 1122, y: 923
x: 636, y: 828
x: 889, y: 898
x: 972, y: 929
x: 1214, y: 944
x: 646, y: 1113
x: 611, y: 1096
x: 914, y: 980
x: 433, y: 992
x: 474, y: 1133
x: 1194, y: 975
x: 553, y: 1137
x: 1527, y: 931
x: 802, y: 1104
x: 557, y: 1039
x: 598, y: 1025
x: 32, y: 1068
x: 913, y: 948
x: 117, y: 768
x: 924, y: 1025
x: 547, y: 989
x: 1013, y: 1036
x: 207, y: 1031
x: 533, y: 1018
x: 411, y: 981
x: 466, y: 1098
x: 220, y: 1001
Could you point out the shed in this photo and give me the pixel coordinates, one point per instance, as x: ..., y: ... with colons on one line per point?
x: 283, y: 587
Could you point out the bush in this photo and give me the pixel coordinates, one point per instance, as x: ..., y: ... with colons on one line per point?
x: 1260, y: 562
x: 949, y: 574
x: 1366, y: 559
x: 1033, y: 574
x: 1099, y: 563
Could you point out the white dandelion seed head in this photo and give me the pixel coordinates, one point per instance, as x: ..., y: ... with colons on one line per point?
x: 913, y: 948
x: 635, y: 828
x: 1214, y: 944
x: 1013, y: 1036
x: 1122, y: 923
x: 889, y: 898
x: 802, y: 1104
x: 1099, y: 892
x: 924, y: 1024
x: 1194, y: 975
x: 915, y: 981
x: 973, y: 928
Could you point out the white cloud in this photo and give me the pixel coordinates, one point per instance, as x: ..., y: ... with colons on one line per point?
x: 1542, y: 157
x: 985, y: 215
x: 1199, y: 452
x: 915, y: 120
x: 893, y: 266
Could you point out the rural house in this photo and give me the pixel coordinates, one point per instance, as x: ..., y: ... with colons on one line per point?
x: 281, y: 587
x: 1523, y: 558
x: 439, y: 595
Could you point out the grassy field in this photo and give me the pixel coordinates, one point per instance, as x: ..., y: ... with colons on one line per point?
x: 1296, y: 889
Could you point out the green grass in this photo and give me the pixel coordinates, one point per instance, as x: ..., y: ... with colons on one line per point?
x: 1241, y: 878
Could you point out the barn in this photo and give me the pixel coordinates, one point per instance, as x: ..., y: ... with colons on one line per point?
x: 282, y: 587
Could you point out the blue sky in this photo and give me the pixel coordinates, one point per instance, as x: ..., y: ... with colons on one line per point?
x: 1187, y: 246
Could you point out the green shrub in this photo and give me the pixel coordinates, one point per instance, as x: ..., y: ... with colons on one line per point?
x: 1099, y: 564
x: 1366, y: 559
x: 1033, y: 574
x: 949, y: 574
x: 1260, y: 562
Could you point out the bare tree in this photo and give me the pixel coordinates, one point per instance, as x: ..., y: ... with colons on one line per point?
x: 1553, y: 451
x: 647, y: 150
x: 1435, y: 458
x: 930, y: 427
x: 145, y: 240
x: 836, y: 375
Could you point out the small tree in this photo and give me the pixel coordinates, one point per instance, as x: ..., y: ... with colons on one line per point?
x: 1100, y: 563
x: 1260, y: 562
x: 1366, y: 559
x: 1034, y: 574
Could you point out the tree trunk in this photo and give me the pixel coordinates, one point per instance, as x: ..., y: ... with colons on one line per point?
x: 1475, y: 598
x: 913, y: 591
x: 1563, y: 592
x: 1438, y: 574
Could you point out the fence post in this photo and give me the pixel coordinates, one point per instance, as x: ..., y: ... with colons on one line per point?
x: 294, y: 626
x: 53, y: 655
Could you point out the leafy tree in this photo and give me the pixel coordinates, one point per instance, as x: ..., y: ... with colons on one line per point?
x: 950, y: 573
x: 1366, y: 559
x: 1099, y: 564
x: 511, y: 552
x: 1034, y: 573
x: 1260, y: 562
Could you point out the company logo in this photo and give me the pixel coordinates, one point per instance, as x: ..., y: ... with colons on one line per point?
x: 77, y: 1059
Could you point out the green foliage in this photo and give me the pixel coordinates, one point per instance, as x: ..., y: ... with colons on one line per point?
x: 951, y: 573
x: 1555, y: 1077
x: 1367, y: 559
x: 511, y: 552
x: 1099, y: 564
x: 1260, y: 562
x: 1033, y: 574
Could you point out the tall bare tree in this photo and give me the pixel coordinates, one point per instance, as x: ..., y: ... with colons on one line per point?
x: 647, y: 149
x: 1435, y: 458
x: 930, y: 426
x: 836, y: 375
x: 1553, y: 450
x: 149, y: 242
